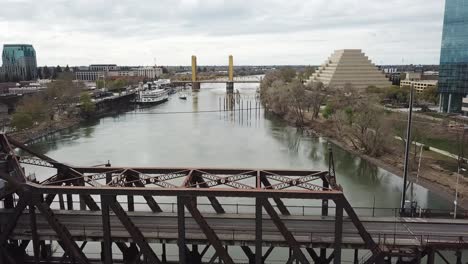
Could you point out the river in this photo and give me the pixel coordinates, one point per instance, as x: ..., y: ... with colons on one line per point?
x: 157, y: 136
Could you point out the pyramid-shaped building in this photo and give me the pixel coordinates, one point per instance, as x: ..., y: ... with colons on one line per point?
x: 349, y: 66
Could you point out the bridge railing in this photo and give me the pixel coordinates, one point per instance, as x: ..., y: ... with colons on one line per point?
x: 393, y: 239
x: 309, y: 210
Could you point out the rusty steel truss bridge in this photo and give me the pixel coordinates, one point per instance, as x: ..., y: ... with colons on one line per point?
x: 125, y: 209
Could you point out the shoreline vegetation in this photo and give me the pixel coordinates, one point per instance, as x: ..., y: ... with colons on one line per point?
x: 29, y: 135
x: 353, y: 120
x: 356, y: 121
x: 64, y: 104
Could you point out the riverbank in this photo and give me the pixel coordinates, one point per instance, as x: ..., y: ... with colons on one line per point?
x: 432, y: 175
x: 30, y: 135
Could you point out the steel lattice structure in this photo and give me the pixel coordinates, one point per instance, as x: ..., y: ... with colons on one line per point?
x: 100, y: 191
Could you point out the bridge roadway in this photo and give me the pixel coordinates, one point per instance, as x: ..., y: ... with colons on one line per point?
x: 239, y: 229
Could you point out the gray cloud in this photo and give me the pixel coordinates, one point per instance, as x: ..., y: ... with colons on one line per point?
x: 259, y: 31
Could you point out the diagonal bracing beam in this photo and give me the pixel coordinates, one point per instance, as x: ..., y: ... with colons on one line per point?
x: 284, y: 231
x: 134, y: 231
x: 208, y: 231
x: 313, y: 255
x: 63, y: 233
x: 153, y: 205
x: 18, y: 211
x: 279, y: 203
x: 366, y: 237
x: 213, y: 200
x: 15, y: 168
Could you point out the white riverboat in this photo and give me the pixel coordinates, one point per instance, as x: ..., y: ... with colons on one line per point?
x: 155, y: 96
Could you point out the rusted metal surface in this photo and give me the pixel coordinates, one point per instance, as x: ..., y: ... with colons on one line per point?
x: 65, y: 237
x: 298, y: 254
x: 134, y: 231
x: 208, y: 231
x: 183, y: 184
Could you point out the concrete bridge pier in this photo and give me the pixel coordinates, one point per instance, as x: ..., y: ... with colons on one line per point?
x: 195, y: 86
x: 230, y: 87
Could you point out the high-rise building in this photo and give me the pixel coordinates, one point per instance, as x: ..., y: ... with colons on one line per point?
x: 453, y: 71
x: 19, y: 62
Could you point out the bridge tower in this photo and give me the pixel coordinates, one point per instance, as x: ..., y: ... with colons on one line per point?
x: 230, y: 83
x: 195, y: 83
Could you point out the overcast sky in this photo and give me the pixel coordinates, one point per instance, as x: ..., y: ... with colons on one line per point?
x: 82, y: 32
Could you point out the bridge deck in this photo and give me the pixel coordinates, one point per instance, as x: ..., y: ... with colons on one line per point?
x: 239, y: 229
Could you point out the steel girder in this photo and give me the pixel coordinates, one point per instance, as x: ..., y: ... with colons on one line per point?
x: 66, y: 238
x: 284, y: 231
x: 108, y: 182
x: 207, y: 230
x: 18, y: 211
x: 133, y: 230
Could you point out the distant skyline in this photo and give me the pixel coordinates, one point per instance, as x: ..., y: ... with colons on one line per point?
x: 256, y: 32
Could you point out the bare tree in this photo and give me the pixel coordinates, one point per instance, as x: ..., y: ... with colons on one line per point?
x: 363, y: 126
x: 316, y: 97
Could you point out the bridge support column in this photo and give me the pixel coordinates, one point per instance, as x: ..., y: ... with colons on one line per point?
x: 164, y: 255
x: 195, y: 256
x: 431, y: 256
x: 356, y: 256
x: 181, y: 229
x: 459, y: 256
x: 323, y: 251
x: 106, y: 246
x: 258, y: 231
x: 230, y: 87
x: 338, y: 233
x: 195, y: 86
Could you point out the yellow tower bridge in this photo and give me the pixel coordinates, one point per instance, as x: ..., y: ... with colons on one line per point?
x: 229, y: 81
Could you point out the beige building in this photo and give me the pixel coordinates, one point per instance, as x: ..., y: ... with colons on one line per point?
x: 419, y: 85
x: 349, y: 66
x: 99, y: 71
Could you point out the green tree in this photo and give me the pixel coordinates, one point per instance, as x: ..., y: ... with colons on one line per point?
x: 46, y: 72
x: 118, y: 84
x: 100, y: 84
x: 67, y: 69
x: 430, y: 95
x: 396, y: 94
x: 34, y: 106
x: 21, y: 120
x: 87, y: 105
x: 328, y: 111
x: 64, y: 91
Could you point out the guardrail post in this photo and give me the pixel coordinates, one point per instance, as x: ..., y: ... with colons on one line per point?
x: 338, y: 232
x: 107, y: 244
x: 258, y: 231
x: 181, y: 228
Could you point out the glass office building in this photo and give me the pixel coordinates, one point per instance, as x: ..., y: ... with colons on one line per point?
x: 453, y: 72
x: 19, y: 62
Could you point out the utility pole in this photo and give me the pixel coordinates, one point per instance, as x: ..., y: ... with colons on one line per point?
x: 460, y: 169
x: 407, y: 149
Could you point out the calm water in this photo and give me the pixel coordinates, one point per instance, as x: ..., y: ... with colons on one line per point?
x: 152, y: 137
